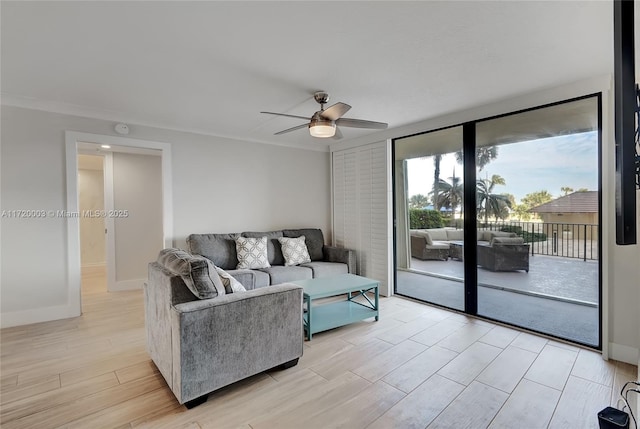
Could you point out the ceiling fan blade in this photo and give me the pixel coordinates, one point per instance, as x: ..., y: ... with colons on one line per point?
x: 338, y: 134
x: 336, y: 111
x: 360, y: 123
x: 288, y: 116
x: 288, y: 130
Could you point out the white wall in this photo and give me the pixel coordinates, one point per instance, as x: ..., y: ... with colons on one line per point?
x: 137, y: 188
x: 234, y: 187
x: 219, y: 185
x: 621, y: 264
x: 91, y: 198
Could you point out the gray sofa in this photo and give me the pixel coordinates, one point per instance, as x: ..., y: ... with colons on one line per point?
x: 201, y: 345
x: 325, y: 260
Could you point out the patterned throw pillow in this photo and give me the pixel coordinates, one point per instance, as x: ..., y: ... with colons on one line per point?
x: 231, y: 285
x: 294, y: 250
x: 252, y: 253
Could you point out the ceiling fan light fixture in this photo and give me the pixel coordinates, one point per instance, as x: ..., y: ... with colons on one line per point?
x: 322, y: 129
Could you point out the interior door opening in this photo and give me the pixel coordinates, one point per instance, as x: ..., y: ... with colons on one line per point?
x: 137, y: 211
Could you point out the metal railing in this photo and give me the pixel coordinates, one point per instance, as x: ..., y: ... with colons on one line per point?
x: 569, y: 240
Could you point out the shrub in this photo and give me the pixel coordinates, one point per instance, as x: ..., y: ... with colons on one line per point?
x: 423, y: 219
x: 512, y: 228
x: 530, y: 237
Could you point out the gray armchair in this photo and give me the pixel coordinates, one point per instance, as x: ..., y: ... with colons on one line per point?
x: 202, y: 345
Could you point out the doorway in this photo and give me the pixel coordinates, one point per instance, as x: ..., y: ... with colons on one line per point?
x: 127, y: 162
x: 500, y: 218
x: 93, y: 248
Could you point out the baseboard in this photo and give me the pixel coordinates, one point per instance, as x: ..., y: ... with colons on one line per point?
x: 128, y: 285
x: 625, y: 354
x: 36, y: 315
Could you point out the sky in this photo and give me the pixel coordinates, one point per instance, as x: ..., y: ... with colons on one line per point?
x: 530, y: 166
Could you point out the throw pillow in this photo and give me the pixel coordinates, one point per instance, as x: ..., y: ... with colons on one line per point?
x: 507, y: 240
x: 252, y: 253
x: 294, y: 250
x: 198, y: 273
x: 231, y: 285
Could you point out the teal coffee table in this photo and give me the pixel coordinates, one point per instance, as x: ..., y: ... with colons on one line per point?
x: 322, y: 317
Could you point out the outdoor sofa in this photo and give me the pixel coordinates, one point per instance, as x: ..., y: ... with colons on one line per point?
x: 504, y: 254
x: 434, y: 243
x: 497, y: 250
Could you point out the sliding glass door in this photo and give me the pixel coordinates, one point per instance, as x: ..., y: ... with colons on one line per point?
x: 537, y: 187
x: 533, y: 205
x: 428, y: 201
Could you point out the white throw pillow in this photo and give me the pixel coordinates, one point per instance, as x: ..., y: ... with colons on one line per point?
x: 231, y: 285
x: 294, y: 250
x: 252, y: 253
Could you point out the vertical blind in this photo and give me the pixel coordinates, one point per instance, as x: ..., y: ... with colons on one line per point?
x: 361, y: 208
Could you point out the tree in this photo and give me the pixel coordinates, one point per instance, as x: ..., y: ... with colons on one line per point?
x: 535, y: 199
x: 451, y: 193
x: 490, y: 204
x: 566, y: 190
x: 436, y: 182
x: 522, y: 212
x: 484, y: 155
x: 418, y: 201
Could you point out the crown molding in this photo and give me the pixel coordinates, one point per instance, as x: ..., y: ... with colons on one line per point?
x: 114, y: 116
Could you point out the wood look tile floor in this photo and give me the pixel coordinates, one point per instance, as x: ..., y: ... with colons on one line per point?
x: 418, y: 367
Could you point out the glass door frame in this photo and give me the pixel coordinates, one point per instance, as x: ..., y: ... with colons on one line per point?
x: 470, y: 214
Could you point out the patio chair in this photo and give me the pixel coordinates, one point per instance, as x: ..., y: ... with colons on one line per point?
x: 423, y: 248
x: 504, y: 254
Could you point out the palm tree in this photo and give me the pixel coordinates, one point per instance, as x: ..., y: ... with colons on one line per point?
x: 488, y: 202
x: 451, y: 193
x: 484, y: 155
x: 436, y: 181
x: 566, y: 190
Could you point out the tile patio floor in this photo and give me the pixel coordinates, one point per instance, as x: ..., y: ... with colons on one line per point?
x: 558, y: 296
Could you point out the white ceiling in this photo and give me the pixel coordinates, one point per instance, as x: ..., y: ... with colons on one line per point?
x: 211, y: 67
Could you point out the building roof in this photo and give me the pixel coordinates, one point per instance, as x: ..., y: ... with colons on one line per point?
x: 578, y: 202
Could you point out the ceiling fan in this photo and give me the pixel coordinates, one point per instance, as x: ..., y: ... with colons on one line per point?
x: 323, y: 123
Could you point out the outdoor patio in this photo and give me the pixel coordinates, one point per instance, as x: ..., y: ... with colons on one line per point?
x: 557, y: 296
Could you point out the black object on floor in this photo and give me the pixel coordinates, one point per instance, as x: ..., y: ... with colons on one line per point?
x: 612, y: 418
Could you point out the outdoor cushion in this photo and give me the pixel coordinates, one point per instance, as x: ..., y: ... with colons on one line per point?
x: 438, y: 245
x: 326, y: 269
x: 424, y: 234
x: 438, y: 233
x: 485, y: 235
x: 219, y: 248
x: 197, y: 272
x: 280, y: 274
x: 493, y: 234
x: 274, y: 253
x: 313, y: 239
x: 455, y: 234
x: 507, y: 241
